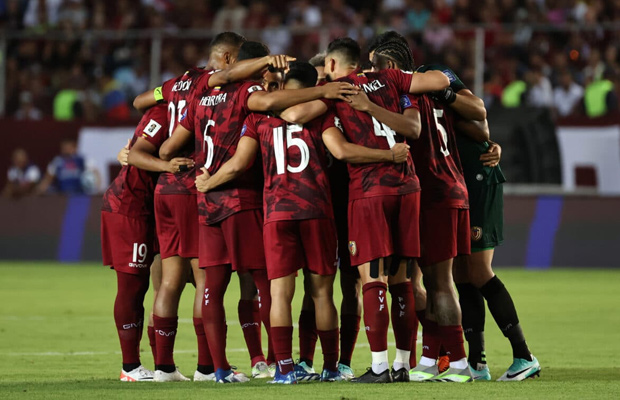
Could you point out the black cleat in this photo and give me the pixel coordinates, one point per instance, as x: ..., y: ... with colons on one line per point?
x: 371, y: 377
x: 402, y: 375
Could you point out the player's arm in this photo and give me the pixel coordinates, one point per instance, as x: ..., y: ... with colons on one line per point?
x: 464, y: 102
x: 429, y: 81
x: 493, y: 155
x: 247, y: 68
x: 148, y: 99
x: 304, y: 113
x: 346, y: 151
x: 123, y: 154
x: 477, y: 131
x: 281, y: 99
x: 242, y: 159
x: 171, y: 147
x: 142, y: 156
x: 407, y: 124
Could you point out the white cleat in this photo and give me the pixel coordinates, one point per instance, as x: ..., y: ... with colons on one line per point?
x: 200, y: 377
x: 176, y: 376
x: 260, y: 370
x: 139, y: 374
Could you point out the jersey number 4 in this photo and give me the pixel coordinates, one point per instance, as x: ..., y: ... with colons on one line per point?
x: 278, y: 145
x: 385, y: 131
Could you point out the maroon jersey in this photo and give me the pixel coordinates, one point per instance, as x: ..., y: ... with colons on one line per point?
x: 131, y: 192
x: 376, y: 179
x: 295, y: 168
x: 178, y: 92
x: 436, y: 156
x: 216, y: 117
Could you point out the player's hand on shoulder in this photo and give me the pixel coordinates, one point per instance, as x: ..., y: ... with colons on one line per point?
x: 180, y: 164
x: 360, y: 101
x: 400, y: 152
x: 201, y: 180
x: 123, y: 155
x: 339, y: 91
x: 493, y: 155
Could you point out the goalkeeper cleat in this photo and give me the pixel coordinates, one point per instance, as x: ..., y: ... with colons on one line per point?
x: 200, y: 377
x: 176, y: 376
x: 139, y: 374
x: 371, y: 377
x: 481, y: 372
x: 304, y: 373
x: 230, y: 376
x: 422, y: 373
x: 454, y: 375
x: 443, y: 363
x: 260, y: 370
x: 346, y: 372
x: 520, y: 370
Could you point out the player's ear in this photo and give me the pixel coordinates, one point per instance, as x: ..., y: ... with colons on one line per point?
x: 228, y: 59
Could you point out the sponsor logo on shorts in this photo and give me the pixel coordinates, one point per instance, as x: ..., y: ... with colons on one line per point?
x: 138, y: 265
x: 352, y: 247
x: 476, y: 233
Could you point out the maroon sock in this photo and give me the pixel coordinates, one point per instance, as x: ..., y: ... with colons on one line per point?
x: 430, y: 336
x: 166, y: 332
x: 129, y: 314
x: 307, y: 336
x: 452, y: 339
x: 151, y: 334
x: 283, y: 347
x: 413, y: 358
x: 349, y: 329
x: 376, y: 317
x: 251, y: 330
x: 204, y: 355
x: 329, y: 344
x: 264, y: 298
x: 213, y: 314
x: 403, y: 314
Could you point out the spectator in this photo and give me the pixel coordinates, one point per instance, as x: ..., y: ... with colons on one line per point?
x: 22, y: 177
x: 567, y: 95
x: 305, y: 14
x: 600, y: 97
x: 418, y: 15
x: 230, y: 17
x: 27, y: 110
x: 540, y: 93
x: 276, y: 36
x: 257, y: 15
x: 68, y: 172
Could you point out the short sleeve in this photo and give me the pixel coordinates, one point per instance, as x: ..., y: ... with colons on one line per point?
x: 187, y: 119
x: 155, y: 123
x: 166, y: 89
x: 32, y: 174
x: 246, y: 91
x: 250, y: 127
x: 331, y: 120
x: 409, y: 101
x: 400, y: 79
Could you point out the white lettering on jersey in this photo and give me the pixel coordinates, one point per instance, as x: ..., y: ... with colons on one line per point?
x: 182, y: 86
x: 210, y: 101
x: 372, y: 86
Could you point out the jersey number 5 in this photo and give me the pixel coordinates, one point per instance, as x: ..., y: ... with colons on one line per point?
x: 278, y: 144
x: 444, y: 135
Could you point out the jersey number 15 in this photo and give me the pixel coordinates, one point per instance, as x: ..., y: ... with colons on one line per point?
x: 278, y: 145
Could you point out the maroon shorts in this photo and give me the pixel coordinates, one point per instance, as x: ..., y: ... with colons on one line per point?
x: 382, y: 226
x: 308, y: 243
x: 445, y: 233
x: 177, y: 225
x: 127, y: 244
x: 237, y: 240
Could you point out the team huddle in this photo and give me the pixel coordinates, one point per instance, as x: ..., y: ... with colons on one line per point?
x: 264, y: 165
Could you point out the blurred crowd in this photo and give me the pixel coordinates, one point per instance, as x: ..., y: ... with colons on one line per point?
x: 561, y: 54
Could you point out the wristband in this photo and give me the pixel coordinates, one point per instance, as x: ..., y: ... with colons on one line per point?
x: 159, y: 97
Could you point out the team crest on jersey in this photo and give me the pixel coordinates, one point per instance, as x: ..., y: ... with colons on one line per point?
x: 476, y: 233
x: 405, y: 102
x: 152, y: 128
x: 352, y: 247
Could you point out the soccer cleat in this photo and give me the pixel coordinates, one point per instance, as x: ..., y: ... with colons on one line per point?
x: 303, y: 373
x: 260, y: 370
x: 200, y: 377
x: 176, y: 376
x: 454, y: 375
x: 371, y: 377
x: 422, y: 373
x: 401, y: 375
x: 346, y: 372
x: 230, y: 376
x: 272, y: 369
x: 520, y: 370
x: 286, y: 379
x: 481, y: 372
x: 443, y: 363
x: 332, y: 376
x: 139, y: 374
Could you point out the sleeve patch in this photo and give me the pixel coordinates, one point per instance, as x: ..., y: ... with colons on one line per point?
x: 405, y: 102
x: 254, y: 88
x: 245, y: 128
x: 152, y: 128
x: 450, y: 75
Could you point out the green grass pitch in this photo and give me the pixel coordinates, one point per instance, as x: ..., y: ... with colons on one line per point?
x: 58, y: 340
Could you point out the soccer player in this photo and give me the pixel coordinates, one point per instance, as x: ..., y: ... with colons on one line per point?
x: 383, y: 199
x: 476, y: 280
x: 299, y: 223
x: 128, y: 240
x: 230, y: 218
